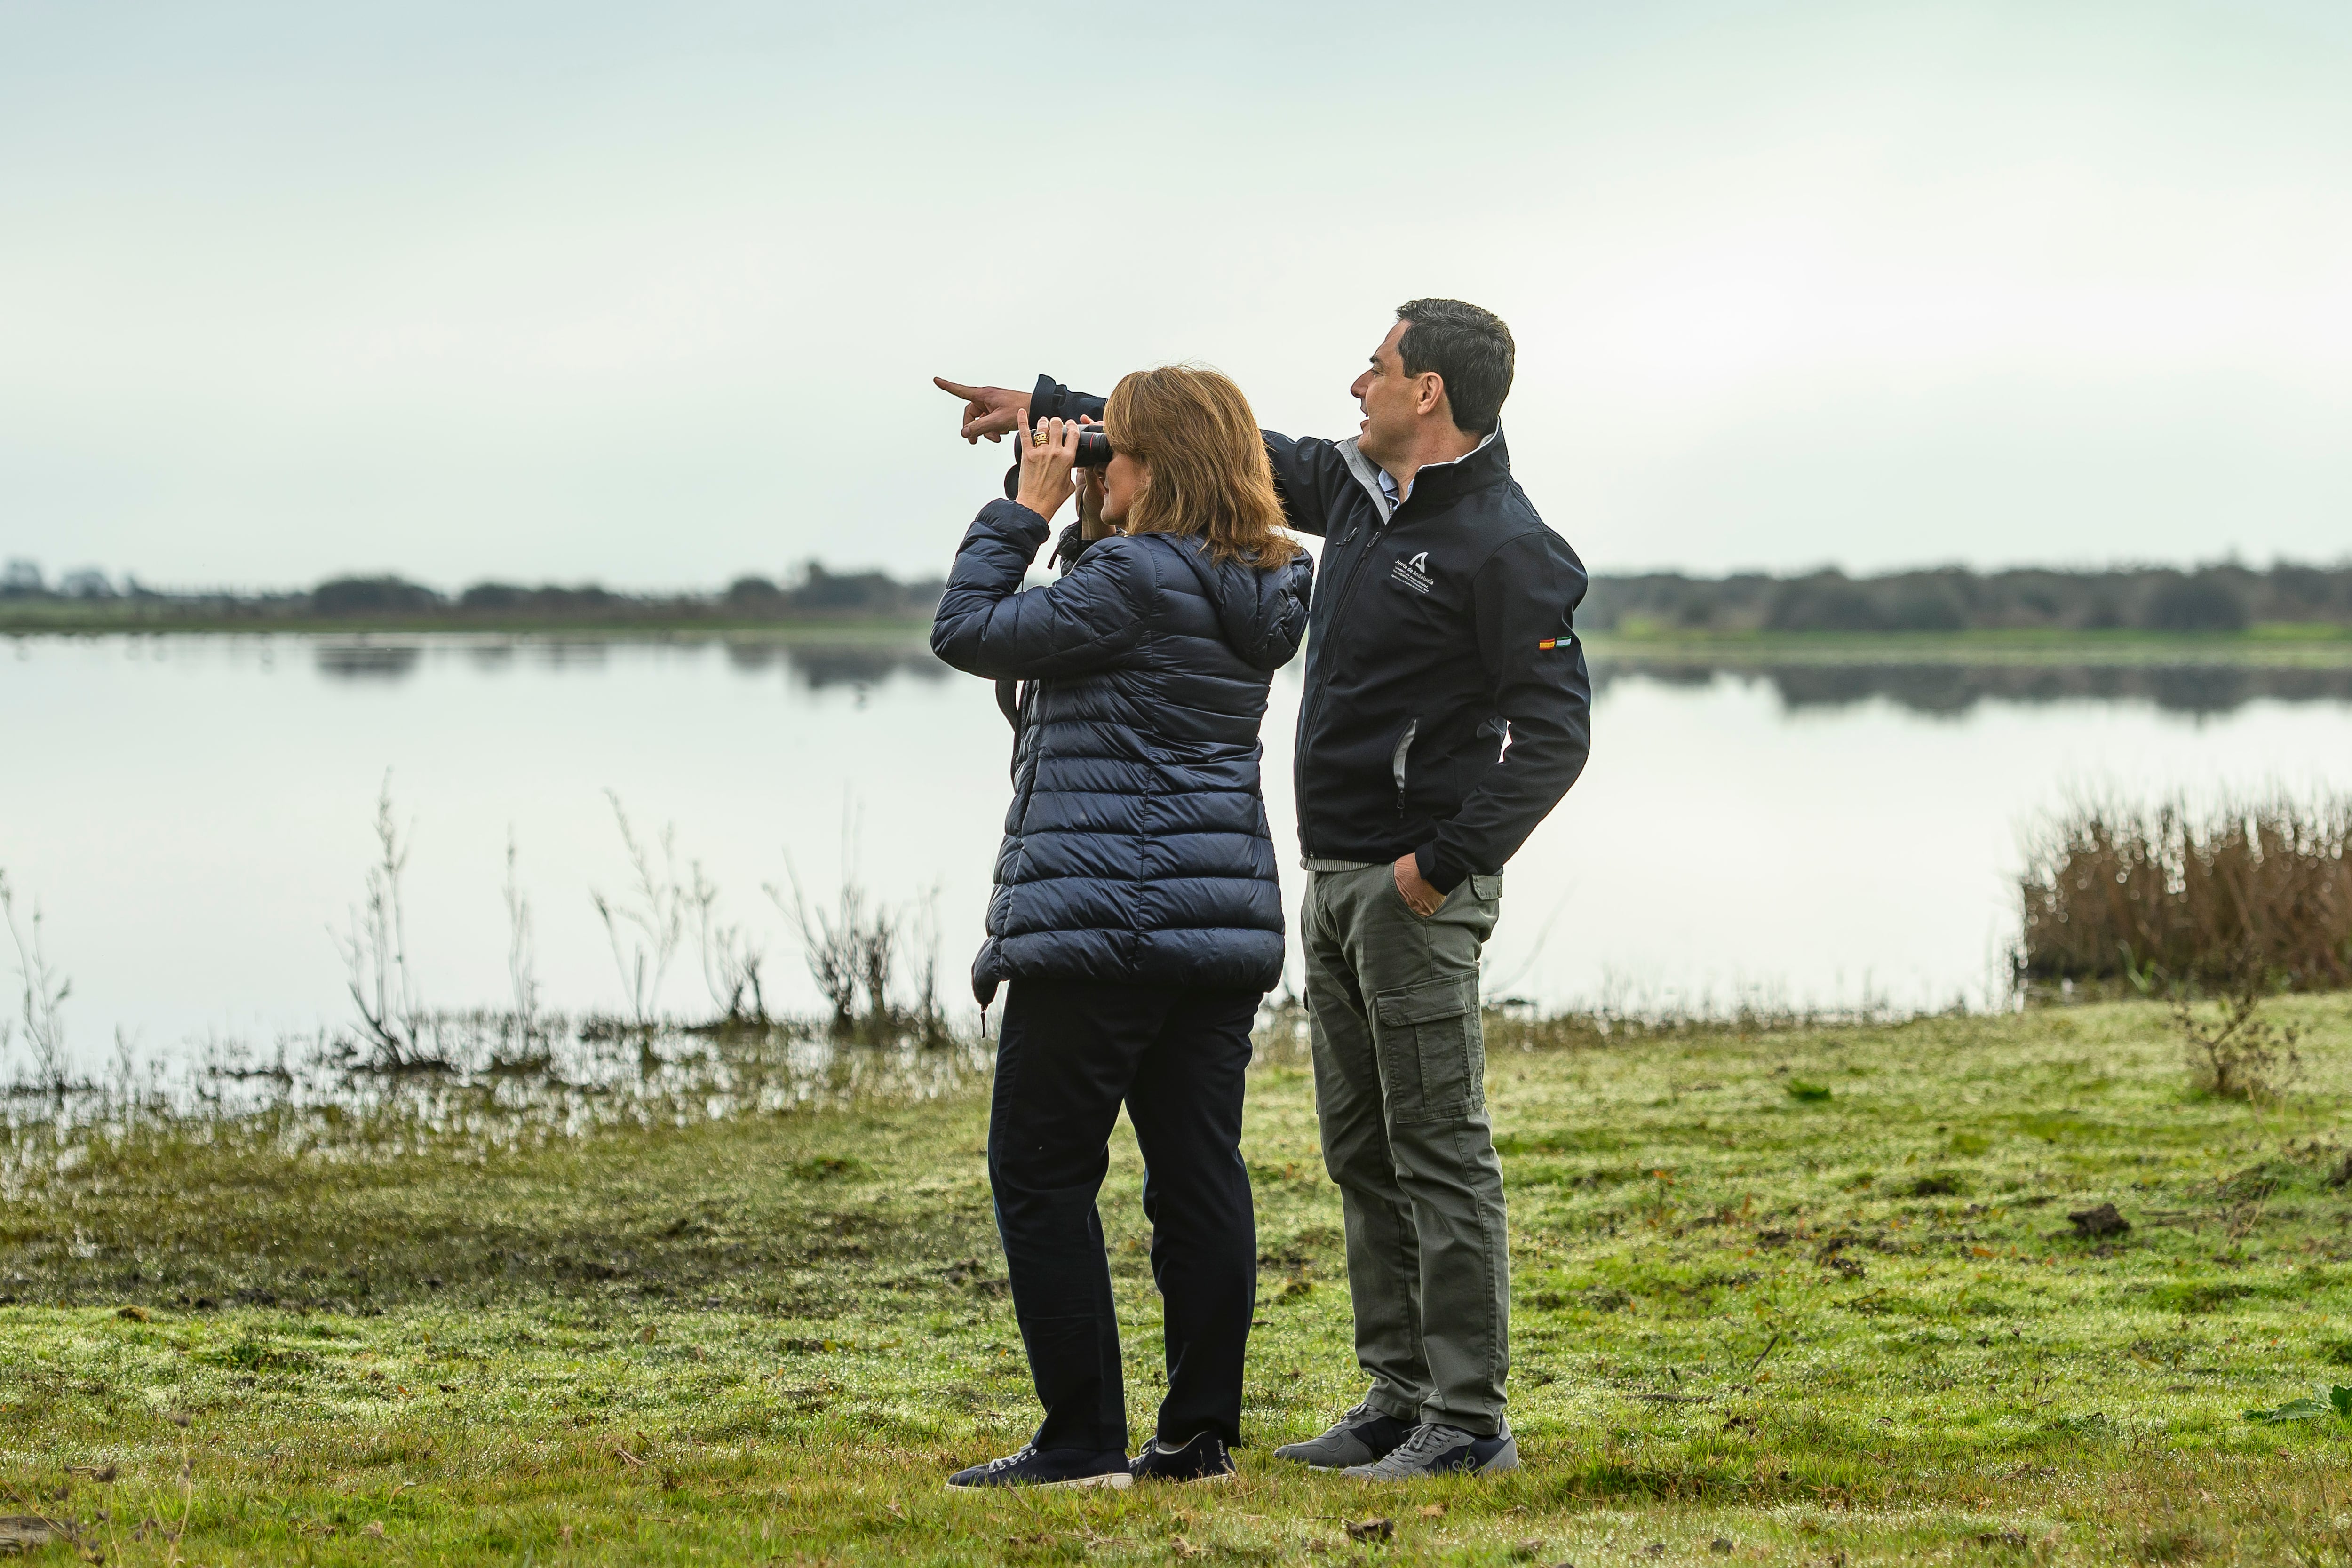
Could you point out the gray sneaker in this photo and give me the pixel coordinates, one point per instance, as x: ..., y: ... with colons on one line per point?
x: 1360, y: 1437
x: 1435, y: 1450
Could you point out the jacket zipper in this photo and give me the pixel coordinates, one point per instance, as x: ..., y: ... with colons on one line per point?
x: 1020, y: 739
x: 1396, y: 762
x: 1347, y: 595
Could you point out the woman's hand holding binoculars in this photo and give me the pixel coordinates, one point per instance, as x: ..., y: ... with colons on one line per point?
x: 1047, y: 455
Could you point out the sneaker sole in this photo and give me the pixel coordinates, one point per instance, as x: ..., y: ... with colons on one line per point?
x: 1118, y: 1480
x: 1190, y: 1480
x: 1313, y: 1464
x: 1505, y: 1461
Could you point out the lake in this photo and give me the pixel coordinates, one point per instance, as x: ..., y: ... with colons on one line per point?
x: 195, y: 815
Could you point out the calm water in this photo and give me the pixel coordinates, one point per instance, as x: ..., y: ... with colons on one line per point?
x: 195, y: 814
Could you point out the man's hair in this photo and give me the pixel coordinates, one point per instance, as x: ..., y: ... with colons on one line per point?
x: 1469, y: 348
x: 1210, y: 474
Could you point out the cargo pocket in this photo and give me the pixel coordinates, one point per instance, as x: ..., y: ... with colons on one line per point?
x: 1430, y: 1054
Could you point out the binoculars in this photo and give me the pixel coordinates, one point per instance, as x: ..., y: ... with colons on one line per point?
x: 1094, y: 446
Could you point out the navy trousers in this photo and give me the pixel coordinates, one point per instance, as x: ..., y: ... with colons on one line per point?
x: 1070, y: 1053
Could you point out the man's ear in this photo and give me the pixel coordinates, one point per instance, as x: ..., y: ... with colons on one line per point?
x: 1431, y: 389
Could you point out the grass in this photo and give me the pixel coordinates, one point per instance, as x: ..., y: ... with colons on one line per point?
x: 1810, y: 1296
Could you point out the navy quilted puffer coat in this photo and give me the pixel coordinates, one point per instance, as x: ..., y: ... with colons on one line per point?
x: 1137, y: 847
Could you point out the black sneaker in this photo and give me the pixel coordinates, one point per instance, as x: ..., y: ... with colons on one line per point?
x: 1202, y: 1460
x: 1435, y: 1450
x: 1359, y: 1437
x: 1035, y: 1466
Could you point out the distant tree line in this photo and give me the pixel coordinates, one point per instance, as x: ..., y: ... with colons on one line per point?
x: 815, y: 592
x: 2219, y: 598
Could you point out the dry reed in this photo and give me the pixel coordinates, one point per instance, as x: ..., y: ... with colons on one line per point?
x: 2168, y: 897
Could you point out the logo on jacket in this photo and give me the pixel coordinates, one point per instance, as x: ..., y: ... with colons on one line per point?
x: 1414, y: 572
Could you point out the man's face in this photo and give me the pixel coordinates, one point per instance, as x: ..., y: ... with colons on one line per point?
x: 1389, y: 398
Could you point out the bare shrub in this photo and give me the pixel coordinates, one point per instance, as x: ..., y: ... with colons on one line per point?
x: 645, y: 928
x: 42, y: 1002
x: 927, y: 1019
x: 1281, y: 1035
x: 2233, y: 1051
x: 731, y: 960
x: 522, y: 952
x: 852, y: 954
x: 375, y: 952
x: 2131, y: 894
x: 846, y: 949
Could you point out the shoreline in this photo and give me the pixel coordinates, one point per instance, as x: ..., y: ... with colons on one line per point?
x: 649, y: 630
x: 2279, y: 646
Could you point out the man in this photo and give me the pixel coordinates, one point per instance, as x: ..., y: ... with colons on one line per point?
x: 1447, y: 710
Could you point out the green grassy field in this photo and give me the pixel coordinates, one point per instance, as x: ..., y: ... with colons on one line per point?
x: 1798, y: 1297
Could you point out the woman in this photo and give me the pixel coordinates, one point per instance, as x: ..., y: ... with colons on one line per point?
x: 1136, y: 917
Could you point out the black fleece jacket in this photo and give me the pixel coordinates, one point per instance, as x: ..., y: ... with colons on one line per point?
x: 1447, y: 707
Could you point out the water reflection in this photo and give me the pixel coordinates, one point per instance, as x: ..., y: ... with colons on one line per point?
x: 813, y: 666
x: 1926, y: 686
x: 1805, y: 830
x: 489, y: 1076
x: 590, y: 654
x: 1959, y: 688
x: 367, y: 661
x: 819, y: 666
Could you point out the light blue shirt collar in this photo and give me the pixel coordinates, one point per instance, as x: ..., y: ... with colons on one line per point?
x: 1388, y: 481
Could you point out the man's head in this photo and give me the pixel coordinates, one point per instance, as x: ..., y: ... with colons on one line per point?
x: 1443, y: 362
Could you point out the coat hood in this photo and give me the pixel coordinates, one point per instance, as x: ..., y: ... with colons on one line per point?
x: 1262, y: 609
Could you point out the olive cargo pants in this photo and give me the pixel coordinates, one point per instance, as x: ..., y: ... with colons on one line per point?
x: 1399, y: 1091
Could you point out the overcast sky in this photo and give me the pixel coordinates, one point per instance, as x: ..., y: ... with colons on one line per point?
x: 651, y: 294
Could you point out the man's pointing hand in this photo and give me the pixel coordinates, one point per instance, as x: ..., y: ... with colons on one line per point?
x: 988, y: 411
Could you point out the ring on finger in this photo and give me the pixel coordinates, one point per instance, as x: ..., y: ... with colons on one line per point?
x: 1037, y: 436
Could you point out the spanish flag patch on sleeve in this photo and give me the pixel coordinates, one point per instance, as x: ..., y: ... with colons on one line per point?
x: 1552, y: 642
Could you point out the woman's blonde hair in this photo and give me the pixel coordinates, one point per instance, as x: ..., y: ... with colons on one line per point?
x: 1209, y: 472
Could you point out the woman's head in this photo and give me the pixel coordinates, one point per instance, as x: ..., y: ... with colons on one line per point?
x: 1188, y: 460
